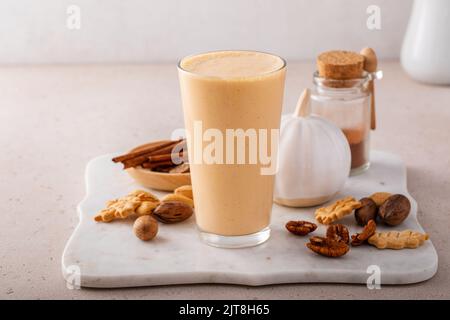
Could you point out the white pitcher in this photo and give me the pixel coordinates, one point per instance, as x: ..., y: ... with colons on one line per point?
x: 426, y: 47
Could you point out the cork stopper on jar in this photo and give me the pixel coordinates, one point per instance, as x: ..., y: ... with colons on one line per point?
x: 340, y: 65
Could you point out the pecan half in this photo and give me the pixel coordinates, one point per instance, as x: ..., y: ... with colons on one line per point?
x: 327, y: 247
x: 338, y: 232
x: 368, y: 231
x: 300, y: 228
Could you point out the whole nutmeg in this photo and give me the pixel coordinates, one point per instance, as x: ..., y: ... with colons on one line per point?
x: 145, y: 228
x: 395, y: 209
x: 368, y: 211
x: 172, y: 211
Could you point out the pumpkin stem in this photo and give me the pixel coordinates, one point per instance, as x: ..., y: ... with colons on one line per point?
x: 303, y: 108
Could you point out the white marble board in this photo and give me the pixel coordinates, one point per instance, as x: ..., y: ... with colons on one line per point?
x: 109, y: 255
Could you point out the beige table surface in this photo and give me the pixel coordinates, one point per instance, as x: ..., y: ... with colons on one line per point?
x: 53, y: 119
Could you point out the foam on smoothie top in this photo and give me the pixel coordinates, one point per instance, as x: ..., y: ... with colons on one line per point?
x: 232, y: 64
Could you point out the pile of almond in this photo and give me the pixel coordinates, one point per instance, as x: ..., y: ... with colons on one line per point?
x: 148, y: 209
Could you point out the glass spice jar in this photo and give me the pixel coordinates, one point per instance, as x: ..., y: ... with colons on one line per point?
x: 346, y: 103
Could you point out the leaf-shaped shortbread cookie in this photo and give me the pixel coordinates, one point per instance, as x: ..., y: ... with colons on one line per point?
x: 337, y: 210
x: 137, y: 202
x: 398, y: 239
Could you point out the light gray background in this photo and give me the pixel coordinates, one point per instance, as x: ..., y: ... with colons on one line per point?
x: 153, y: 31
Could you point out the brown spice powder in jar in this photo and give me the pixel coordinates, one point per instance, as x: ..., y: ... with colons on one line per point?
x: 357, y: 140
x: 339, y: 69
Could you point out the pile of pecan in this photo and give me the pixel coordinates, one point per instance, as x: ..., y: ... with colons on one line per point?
x: 336, y: 242
x: 328, y: 247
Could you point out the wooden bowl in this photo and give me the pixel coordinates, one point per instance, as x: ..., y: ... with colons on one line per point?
x: 158, y: 180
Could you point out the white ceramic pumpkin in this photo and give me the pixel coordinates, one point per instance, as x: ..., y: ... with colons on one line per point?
x: 314, y: 158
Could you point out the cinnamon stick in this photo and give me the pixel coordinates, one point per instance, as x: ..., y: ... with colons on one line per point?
x: 151, y: 165
x: 167, y: 156
x: 181, y: 145
x: 135, y: 162
x: 144, y: 152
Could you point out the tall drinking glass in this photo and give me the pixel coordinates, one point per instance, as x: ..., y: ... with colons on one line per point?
x: 232, y: 104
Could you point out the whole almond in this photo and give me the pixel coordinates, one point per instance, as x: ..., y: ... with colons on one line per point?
x: 172, y: 212
x: 178, y: 197
x: 185, y: 191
